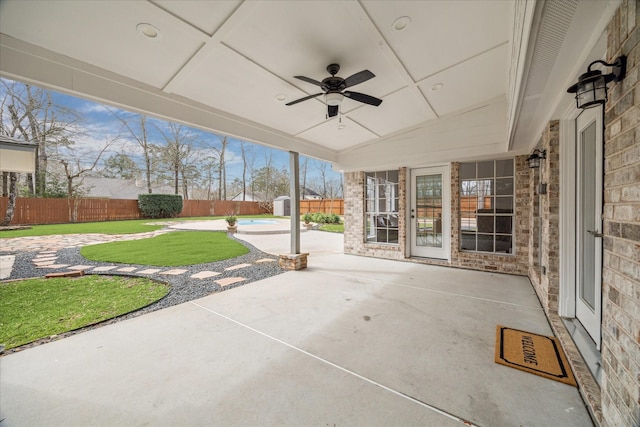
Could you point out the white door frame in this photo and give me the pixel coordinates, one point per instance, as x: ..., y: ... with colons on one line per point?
x: 443, y: 253
x: 591, y: 318
x: 567, y: 216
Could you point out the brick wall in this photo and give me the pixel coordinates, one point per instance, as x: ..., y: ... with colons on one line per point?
x: 514, y: 264
x: 621, y: 258
x: 546, y: 276
x: 354, y: 239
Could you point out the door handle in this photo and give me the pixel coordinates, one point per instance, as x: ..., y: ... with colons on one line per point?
x: 595, y: 233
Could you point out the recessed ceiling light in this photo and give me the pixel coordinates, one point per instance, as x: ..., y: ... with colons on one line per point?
x: 281, y: 97
x: 401, y: 23
x: 437, y: 86
x: 148, y: 31
x: 341, y: 126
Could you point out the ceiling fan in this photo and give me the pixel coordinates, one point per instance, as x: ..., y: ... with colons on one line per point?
x: 334, y: 89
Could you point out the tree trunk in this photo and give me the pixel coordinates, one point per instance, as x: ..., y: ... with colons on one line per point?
x: 5, y: 184
x: 176, y: 179
x: 13, y: 193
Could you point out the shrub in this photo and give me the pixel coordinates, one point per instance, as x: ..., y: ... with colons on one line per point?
x: 325, y: 218
x: 160, y: 205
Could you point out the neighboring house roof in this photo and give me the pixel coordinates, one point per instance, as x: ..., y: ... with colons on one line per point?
x: 114, y: 188
x: 307, y: 192
x: 248, y: 197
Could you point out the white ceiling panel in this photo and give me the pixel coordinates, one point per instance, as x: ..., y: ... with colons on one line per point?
x: 104, y: 34
x: 400, y: 110
x: 441, y: 33
x: 338, y: 135
x: 208, y: 16
x: 232, y: 83
x: 302, y: 37
x: 468, y: 84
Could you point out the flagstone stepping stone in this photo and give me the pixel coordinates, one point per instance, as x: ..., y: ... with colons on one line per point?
x: 175, y: 272
x: 105, y: 268
x: 149, y: 271
x: 266, y: 260
x: 44, y: 259
x: 205, y: 274
x: 44, y: 263
x: 80, y: 267
x: 127, y: 269
x: 237, y: 267
x: 53, y: 266
x: 229, y: 281
x: 6, y: 265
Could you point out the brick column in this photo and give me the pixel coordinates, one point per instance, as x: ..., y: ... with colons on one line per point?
x: 621, y: 258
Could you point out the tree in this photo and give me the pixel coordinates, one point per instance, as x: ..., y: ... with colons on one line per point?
x: 303, y: 173
x: 139, y: 134
x: 179, y: 156
x: 75, y: 168
x: 270, y: 181
x: 120, y: 166
x: 13, y: 193
x: 29, y: 113
x: 222, y: 170
x: 245, y: 164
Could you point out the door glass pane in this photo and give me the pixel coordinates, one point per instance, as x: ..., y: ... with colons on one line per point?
x: 429, y: 211
x: 587, y: 289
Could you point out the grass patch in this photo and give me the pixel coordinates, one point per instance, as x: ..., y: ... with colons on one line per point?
x: 107, y: 227
x: 168, y: 250
x: 333, y: 228
x: 38, y: 308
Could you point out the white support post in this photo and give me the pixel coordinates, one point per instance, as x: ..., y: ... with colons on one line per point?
x: 294, y: 181
x: 294, y: 260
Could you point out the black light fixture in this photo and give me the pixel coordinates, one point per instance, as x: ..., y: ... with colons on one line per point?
x: 535, y: 157
x: 591, y: 89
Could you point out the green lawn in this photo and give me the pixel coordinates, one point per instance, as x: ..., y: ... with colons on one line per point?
x: 38, y: 308
x: 333, y: 228
x: 106, y: 227
x: 168, y: 250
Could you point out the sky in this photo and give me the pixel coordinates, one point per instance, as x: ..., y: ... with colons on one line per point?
x: 98, y: 127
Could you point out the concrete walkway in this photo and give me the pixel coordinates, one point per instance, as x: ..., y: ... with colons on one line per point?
x: 349, y: 341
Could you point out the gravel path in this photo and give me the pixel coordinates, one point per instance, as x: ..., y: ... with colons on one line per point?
x: 184, y: 288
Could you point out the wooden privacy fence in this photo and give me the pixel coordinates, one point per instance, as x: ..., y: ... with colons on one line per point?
x: 335, y: 206
x: 58, y: 211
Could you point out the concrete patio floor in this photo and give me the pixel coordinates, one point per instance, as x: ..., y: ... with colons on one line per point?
x: 349, y: 341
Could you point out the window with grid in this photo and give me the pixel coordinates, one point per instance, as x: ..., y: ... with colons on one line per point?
x: 487, y: 206
x: 381, y: 206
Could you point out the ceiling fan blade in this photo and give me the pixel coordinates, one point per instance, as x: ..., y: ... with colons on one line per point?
x: 367, y: 99
x: 304, y: 99
x: 332, y: 110
x: 358, y: 78
x: 308, y: 80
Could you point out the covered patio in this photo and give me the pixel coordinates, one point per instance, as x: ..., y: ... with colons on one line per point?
x: 349, y: 341
x: 454, y: 100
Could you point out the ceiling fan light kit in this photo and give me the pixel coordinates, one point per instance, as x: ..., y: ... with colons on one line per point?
x: 334, y: 89
x: 334, y: 98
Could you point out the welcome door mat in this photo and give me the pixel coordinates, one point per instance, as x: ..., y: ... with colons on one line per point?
x: 533, y: 353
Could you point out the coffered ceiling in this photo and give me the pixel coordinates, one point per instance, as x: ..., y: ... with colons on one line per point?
x: 446, y: 71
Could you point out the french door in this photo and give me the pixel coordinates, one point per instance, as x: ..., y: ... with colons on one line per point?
x: 589, y: 187
x: 429, y: 223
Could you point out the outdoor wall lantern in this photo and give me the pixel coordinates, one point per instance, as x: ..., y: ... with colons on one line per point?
x: 535, y: 157
x: 591, y: 89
